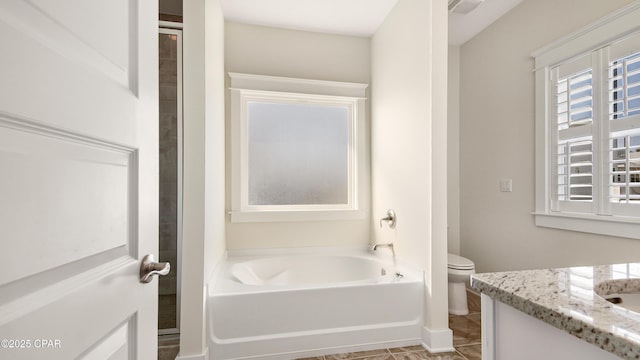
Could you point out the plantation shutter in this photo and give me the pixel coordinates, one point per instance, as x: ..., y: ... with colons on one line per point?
x: 587, y: 163
x: 624, y: 124
x: 573, y: 114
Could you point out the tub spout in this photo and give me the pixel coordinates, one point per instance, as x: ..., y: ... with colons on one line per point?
x: 375, y: 247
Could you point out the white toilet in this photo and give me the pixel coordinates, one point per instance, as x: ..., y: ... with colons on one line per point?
x: 459, y: 269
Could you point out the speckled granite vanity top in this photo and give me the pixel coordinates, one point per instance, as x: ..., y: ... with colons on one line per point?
x: 566, y: 298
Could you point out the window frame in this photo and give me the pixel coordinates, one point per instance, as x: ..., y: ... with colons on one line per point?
x: 594, y: 41
x: 246, y: 88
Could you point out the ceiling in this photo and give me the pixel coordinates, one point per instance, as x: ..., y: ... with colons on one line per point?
x: 347, y: 17
x: 352, y: 17
x: 463, y: 27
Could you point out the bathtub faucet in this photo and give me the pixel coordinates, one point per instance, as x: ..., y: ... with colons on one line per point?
x: 390, y: 219
x: 375, y: 247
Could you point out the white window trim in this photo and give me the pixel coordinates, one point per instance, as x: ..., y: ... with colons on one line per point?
x: 246, y: 87
x: 613, y: 27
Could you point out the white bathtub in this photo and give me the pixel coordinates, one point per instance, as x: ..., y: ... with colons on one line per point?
x: 287, y: 307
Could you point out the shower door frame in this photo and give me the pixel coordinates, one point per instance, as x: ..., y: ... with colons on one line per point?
x: 174, y: 28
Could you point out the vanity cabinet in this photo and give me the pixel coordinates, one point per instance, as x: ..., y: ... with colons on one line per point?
x: 559, y: 314
x: 509, y: 334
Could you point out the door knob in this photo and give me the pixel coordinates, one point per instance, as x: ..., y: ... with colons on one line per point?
x: 149, y: 268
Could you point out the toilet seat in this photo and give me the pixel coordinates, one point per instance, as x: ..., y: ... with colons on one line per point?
x: 456, y: 262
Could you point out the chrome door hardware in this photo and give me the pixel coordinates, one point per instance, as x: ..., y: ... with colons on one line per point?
x: 149, y: 268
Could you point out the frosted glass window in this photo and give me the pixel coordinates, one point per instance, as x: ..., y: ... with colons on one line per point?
x: 298, y: 149
x: 298, y: 154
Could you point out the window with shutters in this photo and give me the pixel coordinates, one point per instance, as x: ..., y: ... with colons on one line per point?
x: 624, y: 114
x: 588, y: 129
x: 298, y: 149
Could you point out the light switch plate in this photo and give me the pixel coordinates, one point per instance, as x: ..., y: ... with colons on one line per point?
x: 506, y: 185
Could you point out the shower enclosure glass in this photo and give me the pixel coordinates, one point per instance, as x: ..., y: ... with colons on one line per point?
x: 170, y: 194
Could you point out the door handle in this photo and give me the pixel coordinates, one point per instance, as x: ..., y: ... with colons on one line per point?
x: 149, y: 268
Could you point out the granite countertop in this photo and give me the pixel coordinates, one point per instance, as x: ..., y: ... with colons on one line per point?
x: 566, y: 299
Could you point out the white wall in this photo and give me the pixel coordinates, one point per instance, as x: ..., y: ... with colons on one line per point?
x: 215, y: 211
x: 453, y: 150
x: 278, y: 52
x: 409, y: 80
x: 203, y: 195
x: 497, y: 141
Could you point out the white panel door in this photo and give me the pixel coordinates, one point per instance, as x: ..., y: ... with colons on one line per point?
x: 78, y: 178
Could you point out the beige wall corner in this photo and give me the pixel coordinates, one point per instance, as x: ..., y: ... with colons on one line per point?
x: 260, y: 50
x: 497, y: 121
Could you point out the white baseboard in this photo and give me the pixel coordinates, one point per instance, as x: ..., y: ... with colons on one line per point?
x: 437, y: 341
x: 332, y: 350
x: 203, y: 356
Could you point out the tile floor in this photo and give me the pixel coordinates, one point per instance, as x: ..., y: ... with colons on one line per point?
x: 168, y: 347
x: 466, y: 340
